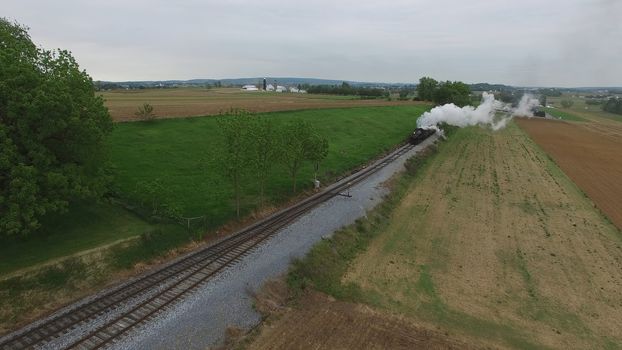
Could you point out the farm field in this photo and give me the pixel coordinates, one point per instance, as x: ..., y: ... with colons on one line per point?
x: 590, y: 154
x: 182, y: 155
x: 558, y: 113
x: 492, y: 245
x: 184, y: 102
x: 582, y: 110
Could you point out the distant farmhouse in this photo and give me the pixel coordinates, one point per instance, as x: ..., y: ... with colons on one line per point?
x: 250, y: 88
x: 275, y: 88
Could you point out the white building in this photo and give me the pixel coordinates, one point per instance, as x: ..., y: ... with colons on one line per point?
x: 280, y: 88
x: 270, y: 87
x: 250, y: 88
x: 293, y: 89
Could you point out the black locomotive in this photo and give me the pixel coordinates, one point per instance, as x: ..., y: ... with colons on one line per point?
x: 419, y: 135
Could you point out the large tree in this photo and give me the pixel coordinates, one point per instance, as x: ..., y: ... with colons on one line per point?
x: 426, y: 88
x: 235, y: 158
x: 455, y: 92
x: 294, y: 142
x: 264, y: 151
x: 52, y: 128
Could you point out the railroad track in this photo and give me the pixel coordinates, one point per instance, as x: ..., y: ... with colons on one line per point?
x: 145, y: 297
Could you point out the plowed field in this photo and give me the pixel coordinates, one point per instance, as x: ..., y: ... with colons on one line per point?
x: 590, y: 154
x: 174, y: 103
x: 497, y: 244
x: 323, y: 323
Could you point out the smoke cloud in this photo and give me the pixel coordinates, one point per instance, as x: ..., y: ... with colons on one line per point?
x: 492, y: 113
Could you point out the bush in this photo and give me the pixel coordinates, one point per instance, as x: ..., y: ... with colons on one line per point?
x: 567, y: 103
x: 145, y: 112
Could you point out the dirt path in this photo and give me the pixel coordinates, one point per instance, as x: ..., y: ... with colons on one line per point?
x: 591, y: 155
x: 494, y: 243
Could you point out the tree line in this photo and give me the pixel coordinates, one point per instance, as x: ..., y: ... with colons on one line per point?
x: 346, y: 90
x: 253, y: 145
x: 613, y: 105
x: 455, y: 92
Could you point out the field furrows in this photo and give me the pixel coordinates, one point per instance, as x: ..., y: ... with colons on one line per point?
x: 495, y: 242
x: 590, y: 154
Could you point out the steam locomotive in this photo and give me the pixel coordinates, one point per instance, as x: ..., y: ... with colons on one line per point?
x: 419, y: 135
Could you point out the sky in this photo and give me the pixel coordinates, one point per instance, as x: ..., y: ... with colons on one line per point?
x: 565, y: 43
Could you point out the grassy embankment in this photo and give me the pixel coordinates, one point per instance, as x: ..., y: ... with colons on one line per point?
x: 181, y: 154
x: 489, y: 242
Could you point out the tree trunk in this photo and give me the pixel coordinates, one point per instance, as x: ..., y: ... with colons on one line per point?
x: 294, y: 181
x: 262, y: 185
x: 237, y: 197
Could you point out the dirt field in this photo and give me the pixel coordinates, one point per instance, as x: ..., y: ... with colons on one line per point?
x: 320, y: 322
x: 184, y: 102
x: 495, y: 244
x: 590, y: 153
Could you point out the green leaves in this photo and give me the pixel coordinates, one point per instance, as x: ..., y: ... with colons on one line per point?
x: 441, y: 93
x: 52, y: 128
x: 253, y: 146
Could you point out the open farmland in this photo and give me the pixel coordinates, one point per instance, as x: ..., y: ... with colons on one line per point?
x: 582, y: 110
x: 492, y: 245
x: 184, y: 102
x: 590, y: 153
x: 182, y: 155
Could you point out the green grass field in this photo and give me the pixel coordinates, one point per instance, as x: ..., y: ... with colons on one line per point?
x: 181, y: 154
x: 564, y: 115
x: 84, y: 227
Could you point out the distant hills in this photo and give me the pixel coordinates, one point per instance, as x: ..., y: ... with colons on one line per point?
x: 294, y: 81
x: 234, y: 82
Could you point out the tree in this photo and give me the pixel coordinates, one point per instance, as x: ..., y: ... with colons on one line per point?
x: 294, y: 141
x: 145, y: 112
x: 455, y: 92
x: 613, y: 105
x: 52, y: 130
x: 567, y: 102
x: 235, y: 125
x: 426, y: 88
x: 316, y: 150
x: 264, y: 151
x: 543, y: 100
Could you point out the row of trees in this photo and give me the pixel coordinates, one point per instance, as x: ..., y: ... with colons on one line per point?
x: 346, y: 89
x: 613, y: 105
x: 455, y: 92
x: 52, y: 130
x: 253, y: 145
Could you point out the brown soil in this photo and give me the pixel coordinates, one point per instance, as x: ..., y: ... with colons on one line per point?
x: 319, y: 322
x: 496, y: 244
x: 175, y: 103
x: 590, y: 154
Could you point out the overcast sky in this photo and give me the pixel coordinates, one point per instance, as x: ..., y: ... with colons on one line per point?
x: 528, y: 42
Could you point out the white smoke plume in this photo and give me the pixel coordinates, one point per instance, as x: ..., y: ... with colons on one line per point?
x: 525, y: 106
x: 490, y: 112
